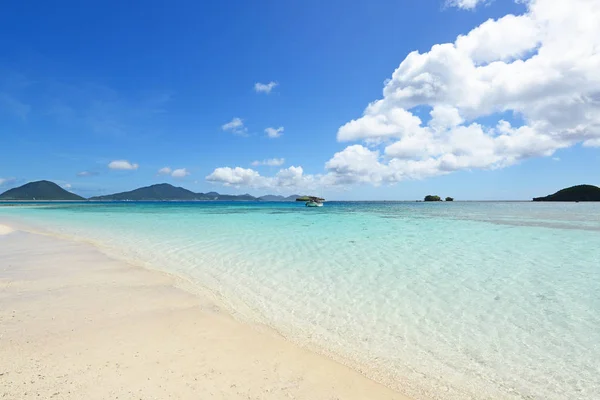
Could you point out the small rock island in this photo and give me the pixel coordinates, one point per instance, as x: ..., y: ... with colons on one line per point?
x: 431, y: 197
x: 574, y: 193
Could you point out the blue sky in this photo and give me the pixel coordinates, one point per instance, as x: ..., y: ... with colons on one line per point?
x: 155, y: 84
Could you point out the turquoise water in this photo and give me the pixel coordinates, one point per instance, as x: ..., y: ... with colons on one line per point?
x: 449, y: 301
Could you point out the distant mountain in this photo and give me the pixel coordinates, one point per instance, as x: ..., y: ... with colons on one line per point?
x: 40, y: 190
x: 233, y: 197
x: 45, y: 190
x: 274, y: 197
x: 162, y: 191
x: 166, y: 192
x: 574, y: 193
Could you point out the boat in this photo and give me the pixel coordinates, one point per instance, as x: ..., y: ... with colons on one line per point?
x: 314, y: 204
x: 311, y: 201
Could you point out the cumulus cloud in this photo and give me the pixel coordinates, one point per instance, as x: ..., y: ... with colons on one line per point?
x: 274, y: 133
x: 592, y: 143
x: 180, y: 173
x: 175, y: 173
x: 236, y: 177
x: 465, y: 4
x: 271, y: 162
x: 235, y: 126
x: 533, y: 74
x: 292, y: 177
x: 512, y: 88
x: 122, y: 165
x: 264, y: 87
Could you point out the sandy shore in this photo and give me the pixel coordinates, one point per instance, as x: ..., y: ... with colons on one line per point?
x: 76, y: 324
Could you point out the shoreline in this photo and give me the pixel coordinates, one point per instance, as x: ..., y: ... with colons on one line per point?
x: 114, y: 329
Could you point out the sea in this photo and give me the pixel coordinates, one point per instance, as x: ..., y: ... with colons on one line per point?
x: 461, y: 300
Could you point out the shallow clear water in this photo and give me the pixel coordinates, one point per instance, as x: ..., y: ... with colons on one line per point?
x: 446, y: 300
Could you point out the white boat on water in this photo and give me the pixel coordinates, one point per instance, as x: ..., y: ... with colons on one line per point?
x: 312, y: 203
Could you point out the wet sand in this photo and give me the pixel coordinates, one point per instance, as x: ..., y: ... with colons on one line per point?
x: 76, y: 324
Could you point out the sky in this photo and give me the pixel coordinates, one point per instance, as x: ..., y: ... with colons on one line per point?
x: 377, y: 100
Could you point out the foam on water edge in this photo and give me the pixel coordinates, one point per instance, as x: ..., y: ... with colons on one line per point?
x: 459, y: 301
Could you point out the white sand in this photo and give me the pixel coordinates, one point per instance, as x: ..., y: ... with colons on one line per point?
x: 5, y: 229
x: 75, y: 324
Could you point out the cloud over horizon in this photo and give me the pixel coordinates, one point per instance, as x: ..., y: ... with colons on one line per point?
x: 513, y: 88
x: 292, y: 177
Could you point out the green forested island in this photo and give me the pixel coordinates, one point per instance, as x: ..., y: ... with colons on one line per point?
x: 40, y: 190
x: 162, y: 191
x: 574, y: 193
x: 46, y: 190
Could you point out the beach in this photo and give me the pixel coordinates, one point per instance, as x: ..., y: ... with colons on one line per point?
x: 453, y: 301
x: 77, y: 324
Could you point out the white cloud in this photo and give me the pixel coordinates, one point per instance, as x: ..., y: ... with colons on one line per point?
x: 175, y: 173
x: 292, y: 177
x: 510, y: 89
x: 236, y: 126
x: 236, y: 177
x: 540, y: 67
x: 271, y: 162
x: 465, y: 4
x: 505, y: 39
x: 122, y: 165
x: 265, y: 87
x: 67, y: 186
x: 85, y: 174
x: 592, y: 143
x: 555, y: 158
x: 180, y: 173
x: 274, y: 132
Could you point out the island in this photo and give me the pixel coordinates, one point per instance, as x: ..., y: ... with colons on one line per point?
x: 574, y: 193
x: 272, y: 197
x: 449, y: 198
x: 39, y: 190
x: 431, y: 197
x: 46, y: 190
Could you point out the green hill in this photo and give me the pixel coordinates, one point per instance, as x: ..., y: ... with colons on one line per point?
x: 574, y: 193
x: 40, y: 190
x: 233, y: 197
x: 165, y: 192
x: 275, y: 197
x: 162, y: 191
